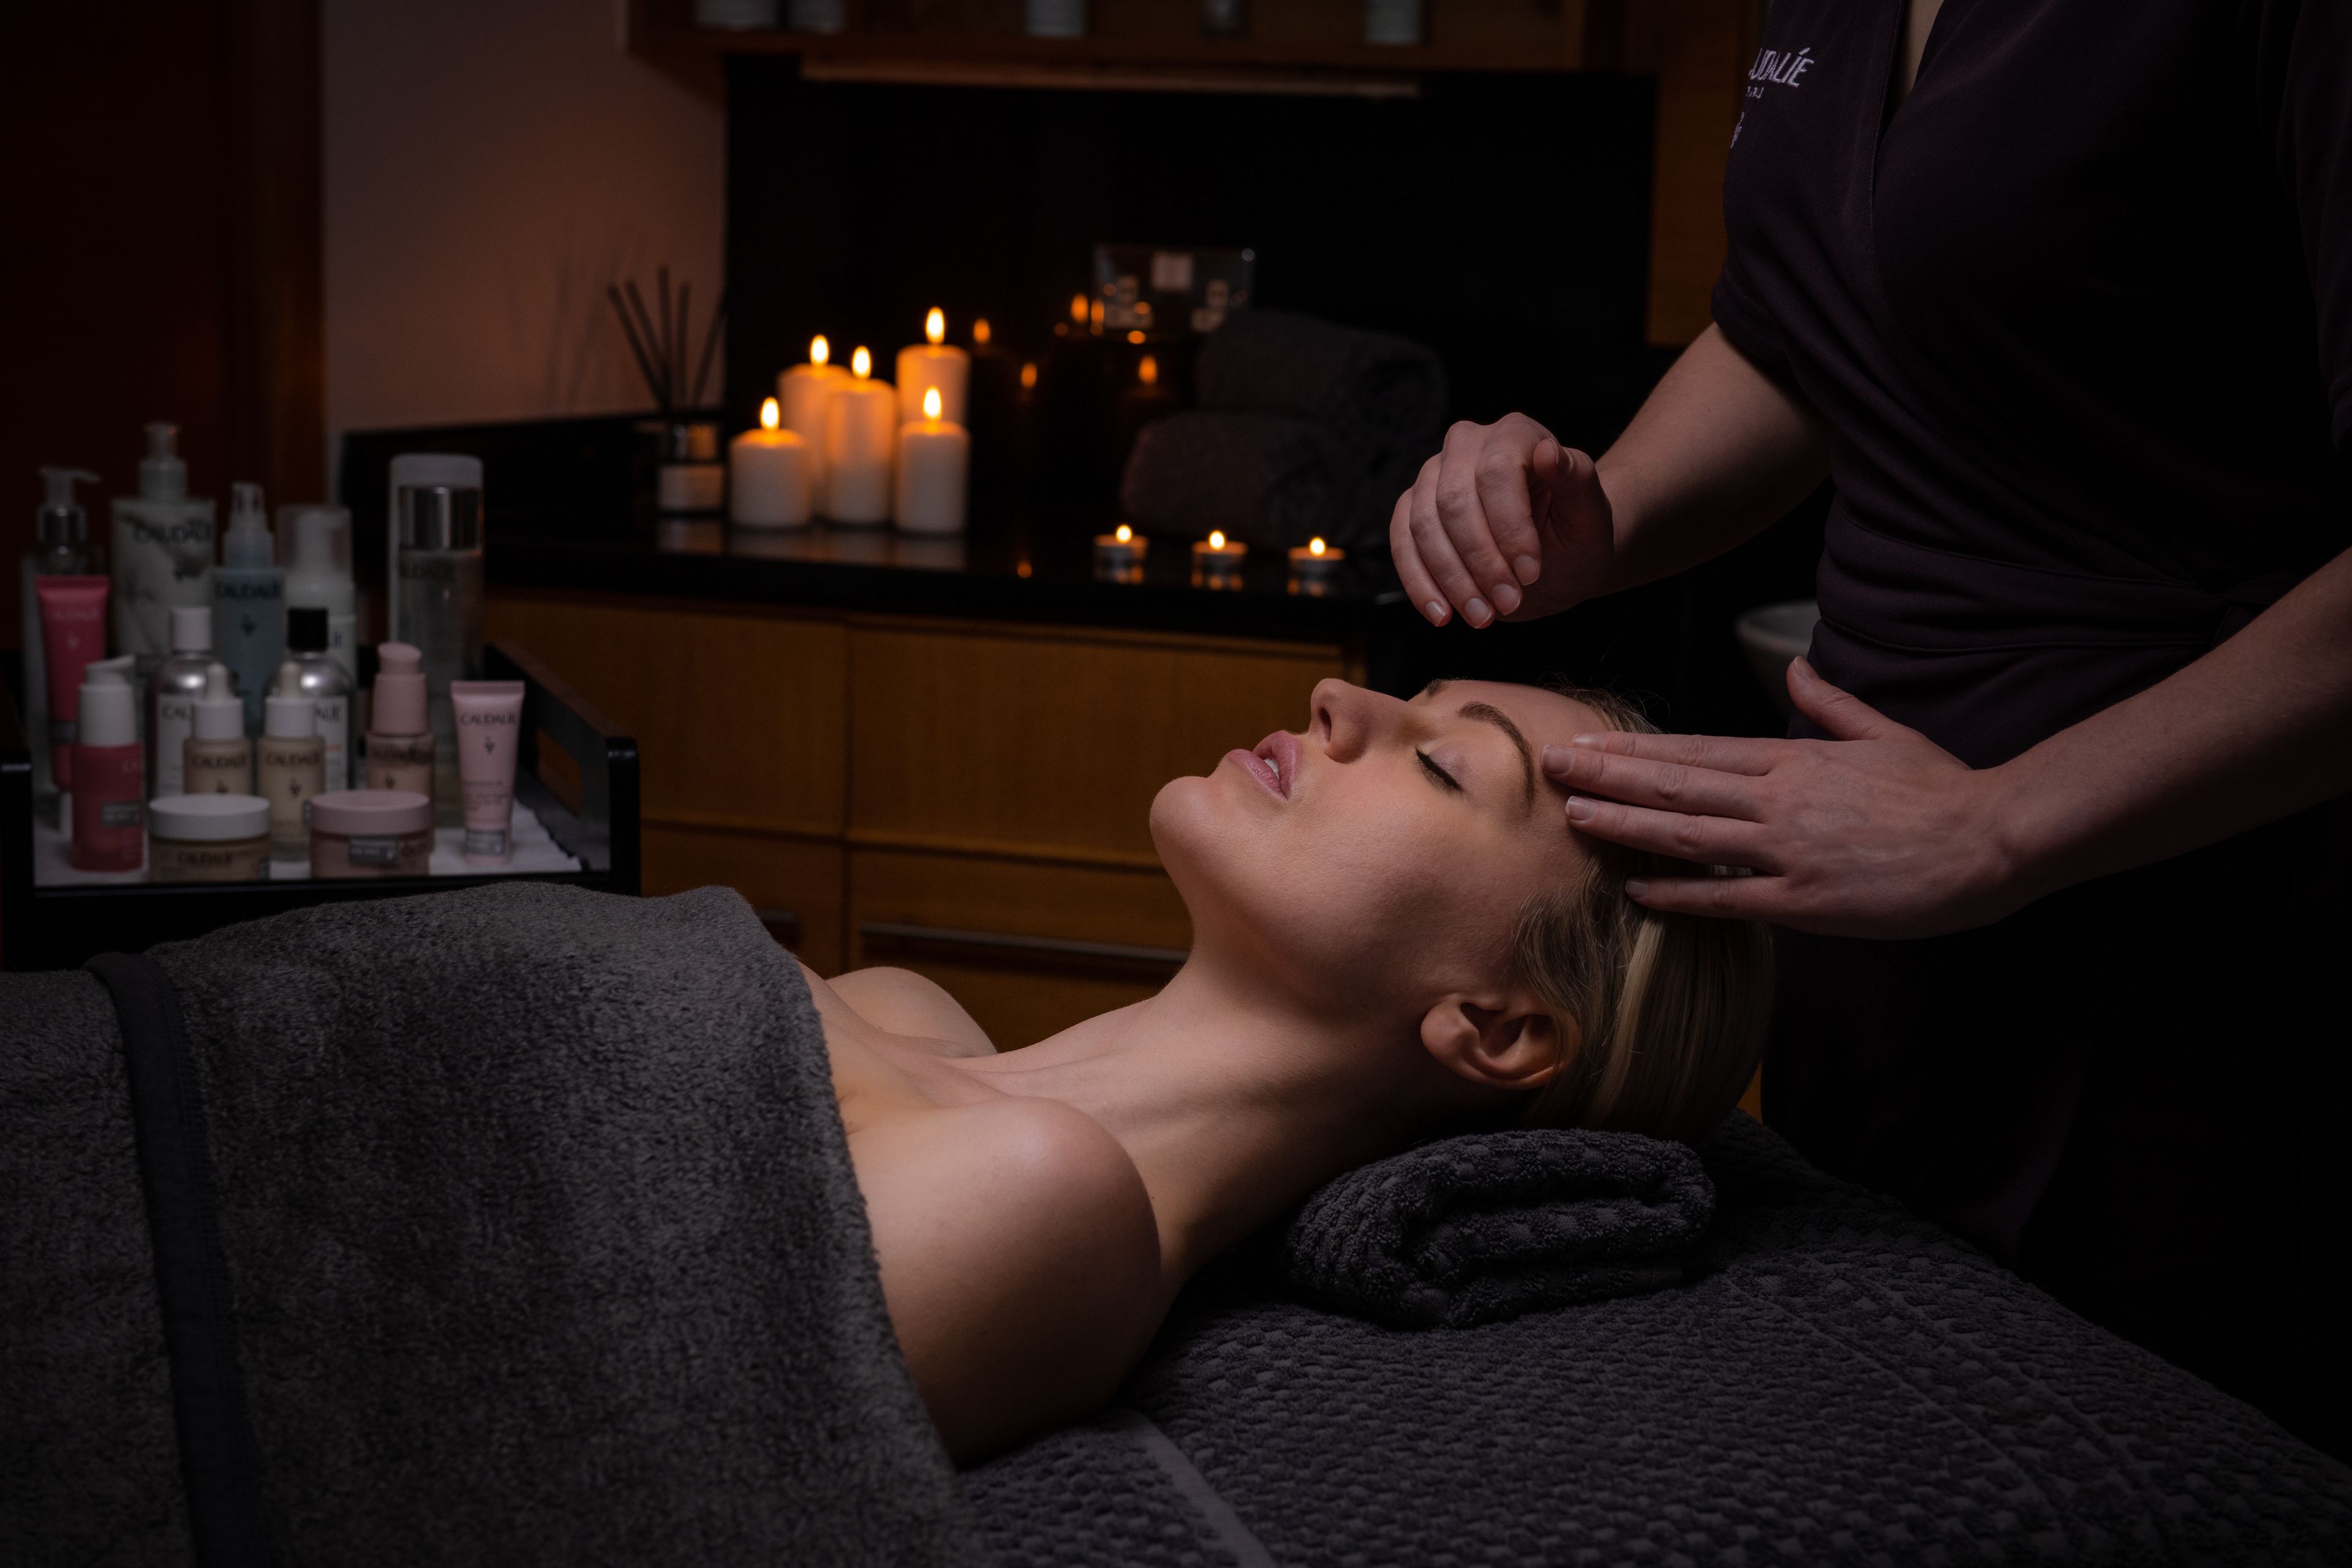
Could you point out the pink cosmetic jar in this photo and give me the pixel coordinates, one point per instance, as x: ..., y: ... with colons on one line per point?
x: 371, y: 833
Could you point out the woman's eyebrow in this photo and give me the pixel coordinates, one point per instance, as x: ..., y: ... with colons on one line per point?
x: 1489, y: 714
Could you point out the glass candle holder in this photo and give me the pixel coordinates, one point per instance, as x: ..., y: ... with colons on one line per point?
x: 1118, y: 555
x: 1217, y: 561
x: 1315, y: 568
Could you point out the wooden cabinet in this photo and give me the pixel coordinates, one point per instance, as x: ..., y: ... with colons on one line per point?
x: 970, y: 800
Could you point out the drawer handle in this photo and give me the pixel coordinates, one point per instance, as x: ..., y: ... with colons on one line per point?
x: 1004, y: 941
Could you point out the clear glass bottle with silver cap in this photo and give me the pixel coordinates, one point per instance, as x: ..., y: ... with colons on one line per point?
x: 436, y: 599
x: 322, y: 680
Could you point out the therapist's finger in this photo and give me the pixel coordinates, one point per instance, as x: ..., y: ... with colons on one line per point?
x: 1434, y: 545
x: 1726, y: 897
x: 1461, y: 510
x: 1716, y: 753
x: 1419, y: 590
x: 1671, y: 786
x: 1519, y: 457
x: 1708, y: 840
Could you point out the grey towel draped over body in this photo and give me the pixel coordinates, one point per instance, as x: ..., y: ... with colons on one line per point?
x: 542, y: 1235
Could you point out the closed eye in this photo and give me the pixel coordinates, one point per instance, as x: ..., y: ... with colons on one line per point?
x: 1444, y: 778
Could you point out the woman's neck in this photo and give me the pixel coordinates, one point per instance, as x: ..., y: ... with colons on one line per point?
x: 1233, y: 1107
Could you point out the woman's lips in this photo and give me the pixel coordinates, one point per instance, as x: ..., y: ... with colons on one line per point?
x: 1274, y: 763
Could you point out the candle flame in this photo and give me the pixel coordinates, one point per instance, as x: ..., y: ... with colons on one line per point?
x: 1124, y: 534
x: 861, y: 363
x: 980, y: 333
x: 1029, y: 372
x: 1078, y: 309
x: 1147, y: 372
x: 819, y: 349
x: 768, y: 416
x: 1135, y: 337
x: 1217, y: 538
x: 1316, y: 546
x: 930, y: 402
x: 935, y: 325
x: 1094, y: 315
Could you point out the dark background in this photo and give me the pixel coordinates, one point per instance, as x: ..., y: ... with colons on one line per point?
x: 854, y: 208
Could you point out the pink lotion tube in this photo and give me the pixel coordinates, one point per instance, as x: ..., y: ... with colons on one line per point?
x: 73, y: 635
x: 489, y: 734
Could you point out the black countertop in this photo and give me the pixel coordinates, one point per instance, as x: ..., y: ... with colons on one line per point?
x: 1003, y: 568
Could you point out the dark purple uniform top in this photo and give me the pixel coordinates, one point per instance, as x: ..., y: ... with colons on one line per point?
x: 2079, y: 311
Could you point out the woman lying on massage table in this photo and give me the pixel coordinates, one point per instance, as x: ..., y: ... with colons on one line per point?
x: 1390, y: 935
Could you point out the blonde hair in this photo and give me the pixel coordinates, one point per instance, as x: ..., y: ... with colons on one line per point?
x: 1667, y: 1012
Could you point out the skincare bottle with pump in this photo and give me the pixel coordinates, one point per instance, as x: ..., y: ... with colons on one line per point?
x: 322, y: 681
x: 172, y: 693
x: 249, y: 600
x: 162, y: 552
x: 217, y: 756
x: 61, y: 548
x: 109, y: 781
x: 399, y: 739
x: 436, y: 601
x: 316, y: 541
x: 290, y: 763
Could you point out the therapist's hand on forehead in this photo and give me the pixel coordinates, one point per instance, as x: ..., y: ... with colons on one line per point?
x: 1878, y: 833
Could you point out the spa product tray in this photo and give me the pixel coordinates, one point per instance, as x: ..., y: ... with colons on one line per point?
x: 576, y: 822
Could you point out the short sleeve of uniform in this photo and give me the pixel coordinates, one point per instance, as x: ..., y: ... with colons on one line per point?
x: 2303, y: 62
x: 1744, y: 321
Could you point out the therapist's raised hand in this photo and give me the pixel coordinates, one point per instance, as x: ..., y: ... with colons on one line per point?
x: 1877, y: 832
x: 1503, y: 521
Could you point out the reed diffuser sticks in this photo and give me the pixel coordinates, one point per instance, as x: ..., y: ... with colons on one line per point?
x: 662, y: 354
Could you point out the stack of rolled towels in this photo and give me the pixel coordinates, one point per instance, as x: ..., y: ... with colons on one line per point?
x: 1305, y: 430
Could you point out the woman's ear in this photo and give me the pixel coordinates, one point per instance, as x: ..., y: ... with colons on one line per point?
x: 1512, y: 1044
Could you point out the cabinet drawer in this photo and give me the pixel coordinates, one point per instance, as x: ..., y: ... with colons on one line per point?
x: 1048, y: 743
x: 739, y: 718
x: 1027, y: 949
x: 794, y: 885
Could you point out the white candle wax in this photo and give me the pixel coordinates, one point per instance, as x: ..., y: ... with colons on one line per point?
x: 921, y: 367
x: 861, y: 427
x: 934, y: 456
x: 802, y: 392
x: 768, y: 480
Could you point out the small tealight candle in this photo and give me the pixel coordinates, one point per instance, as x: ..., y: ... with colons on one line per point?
x: 804, y: 391
x: 861, y: 429
x: 934, y: 365
x: 768, y: 475
x: 1118, y: 555
x: 1315, y: 567
x: 1217, y: 560
x: 934, y: 456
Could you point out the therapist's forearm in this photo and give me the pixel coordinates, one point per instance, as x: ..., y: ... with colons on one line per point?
x: 2256, y: 730
x: 1717, y: 453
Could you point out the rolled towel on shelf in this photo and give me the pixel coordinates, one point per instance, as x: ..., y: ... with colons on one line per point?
x: 1485, y: 1227
x: 1382, y: 394
x: 1271, y: 481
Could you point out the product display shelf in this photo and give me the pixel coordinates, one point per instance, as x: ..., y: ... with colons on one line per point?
x: 590, y: 767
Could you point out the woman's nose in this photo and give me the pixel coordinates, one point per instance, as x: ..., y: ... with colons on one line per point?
x: 1348, y: 718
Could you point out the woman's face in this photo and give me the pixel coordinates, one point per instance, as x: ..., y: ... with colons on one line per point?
x: 1378, y: 859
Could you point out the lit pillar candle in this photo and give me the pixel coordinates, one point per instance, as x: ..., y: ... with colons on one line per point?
x: 861, y: 429
x: 937, y: 364
x: 768, y: 475
x: 1118, y: 555
x: 1315, y: 568
x: 1217, y: 560
x: 934, y: 454
x: 804, y: 391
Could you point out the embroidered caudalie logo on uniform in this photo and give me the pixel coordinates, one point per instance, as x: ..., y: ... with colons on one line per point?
x: 1773, y: 68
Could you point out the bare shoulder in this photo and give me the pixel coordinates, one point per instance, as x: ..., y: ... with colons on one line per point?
x: 901, y: 1002
x: 1020, y: 1258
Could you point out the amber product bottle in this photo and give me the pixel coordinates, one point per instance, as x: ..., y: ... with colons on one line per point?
x: 400, y: 734
x: 217, y: 755
x: 290, y: 763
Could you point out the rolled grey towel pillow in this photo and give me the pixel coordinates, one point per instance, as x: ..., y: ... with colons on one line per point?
x: 1382, y: 394
x: 1271, y: 481
x: 1490, y: 1225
